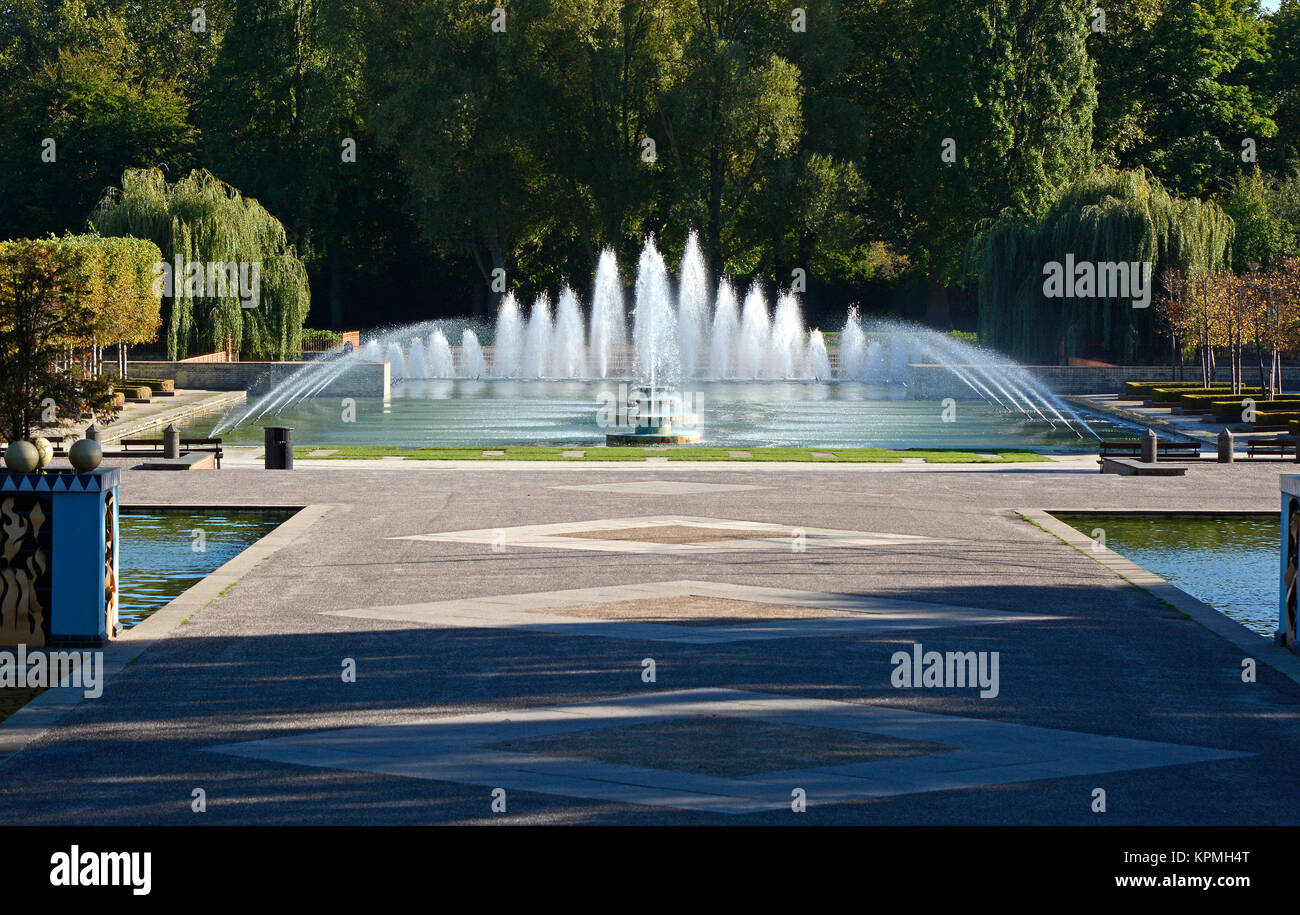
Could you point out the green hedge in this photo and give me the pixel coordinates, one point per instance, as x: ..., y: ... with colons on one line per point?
x: 1280, y: 418
x: 1145, y: 388
x: 109, y: 279
x: 1202, y: 400
x: 1230, y: 410
x: 1167, y: 396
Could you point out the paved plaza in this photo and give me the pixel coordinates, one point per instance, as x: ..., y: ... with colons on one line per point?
x: 684, y: 643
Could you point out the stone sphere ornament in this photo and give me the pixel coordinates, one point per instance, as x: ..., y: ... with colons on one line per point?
x: 85, y: 455
x: 45, y: 450
x: 22, y: 457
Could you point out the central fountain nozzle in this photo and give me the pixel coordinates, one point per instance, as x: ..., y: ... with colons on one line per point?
x: 657, y: 416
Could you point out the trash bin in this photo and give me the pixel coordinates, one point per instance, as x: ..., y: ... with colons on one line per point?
x: 279, y: 447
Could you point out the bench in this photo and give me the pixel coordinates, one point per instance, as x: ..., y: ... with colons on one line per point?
x: 155, y: 446
x: 1165, y: 450
x: 1280, y: 446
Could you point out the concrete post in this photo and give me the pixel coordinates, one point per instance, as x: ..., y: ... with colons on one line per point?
x: 1150, y: 453
x: 171, y: 441
x: 1226, y: 455
x: 92, y: 432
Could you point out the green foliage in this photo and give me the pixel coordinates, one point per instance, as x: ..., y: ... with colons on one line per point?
x: 1262, y: 234
x: 1105, y: 217
x: 114, y: 277
x: 78, y: 107
x: 1197, y: 79
x: 1284, y: 80
x: 1011, y: 85
x: 524, y: 149
x: 322, y: 337
x: 202, y: 220
x: 51, y: 298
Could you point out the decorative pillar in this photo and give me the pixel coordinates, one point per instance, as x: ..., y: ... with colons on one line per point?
x: 58, y: 557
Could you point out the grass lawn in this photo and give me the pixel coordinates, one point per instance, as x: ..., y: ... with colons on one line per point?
x: 678, y: 453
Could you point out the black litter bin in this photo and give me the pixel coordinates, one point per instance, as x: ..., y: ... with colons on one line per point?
x: 279, y: 447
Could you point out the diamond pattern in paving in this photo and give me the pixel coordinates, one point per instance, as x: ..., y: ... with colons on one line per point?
x: 672, y: 534
x: 559, y: 751
x: 640, y: 612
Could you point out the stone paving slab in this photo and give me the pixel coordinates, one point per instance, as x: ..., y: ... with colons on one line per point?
x: 259, y: 659
x: 982, y: 753
x: 530, y: 612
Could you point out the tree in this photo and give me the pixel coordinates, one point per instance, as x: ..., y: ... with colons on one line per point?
x: 458, y: 104
x: 1171, y: 309
x: 1107, y: 217
x: 1007, y: 94
x: 1202, y: 73
x: 1118, y: 42
x: 55, y: 294
x: 200, y: 221
x: 1263, y: 234
x: 76, y: 115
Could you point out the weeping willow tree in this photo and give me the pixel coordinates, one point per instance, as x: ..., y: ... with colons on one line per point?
x: 1107, y: 217
x: 249, y: 288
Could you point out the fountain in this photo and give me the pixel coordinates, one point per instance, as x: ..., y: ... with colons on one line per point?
x: 726, y: 323
x: 608, y: 326
x: 818, y: 358
x: 570, y: 345
x: 755, y: 334
x: 440, y: 362
x: 692, y: 307
x: 507, y: 352
x: 537, y: 340
x: 414, y: 362
x: 658, y: 360
x: 472, y: 363
x: 676, y: 336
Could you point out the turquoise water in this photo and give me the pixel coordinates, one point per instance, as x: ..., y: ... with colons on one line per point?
x: 775, y: 414
x: 165, y: 551
x: 1228, y: 561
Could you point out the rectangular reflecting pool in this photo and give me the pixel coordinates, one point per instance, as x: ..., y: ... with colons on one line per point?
x: 1228, y: 561
x: 164, y: 551
x: 731, y: 414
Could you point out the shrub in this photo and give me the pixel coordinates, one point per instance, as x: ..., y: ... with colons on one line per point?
x: 322, y: 337
x: 143, y: 393
x: 55, y: 294
x: 1202, y: 399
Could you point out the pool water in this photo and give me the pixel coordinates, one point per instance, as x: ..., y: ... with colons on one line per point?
x: 745, y: 414
x: 1228, y: 561
x: 163, y: 552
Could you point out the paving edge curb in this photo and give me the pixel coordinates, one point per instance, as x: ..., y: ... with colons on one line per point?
x: 46, y: 710
x: 1254, y: 644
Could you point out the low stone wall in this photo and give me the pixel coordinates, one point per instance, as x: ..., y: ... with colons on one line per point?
x: 366, y: 379
x: 935, y: 382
